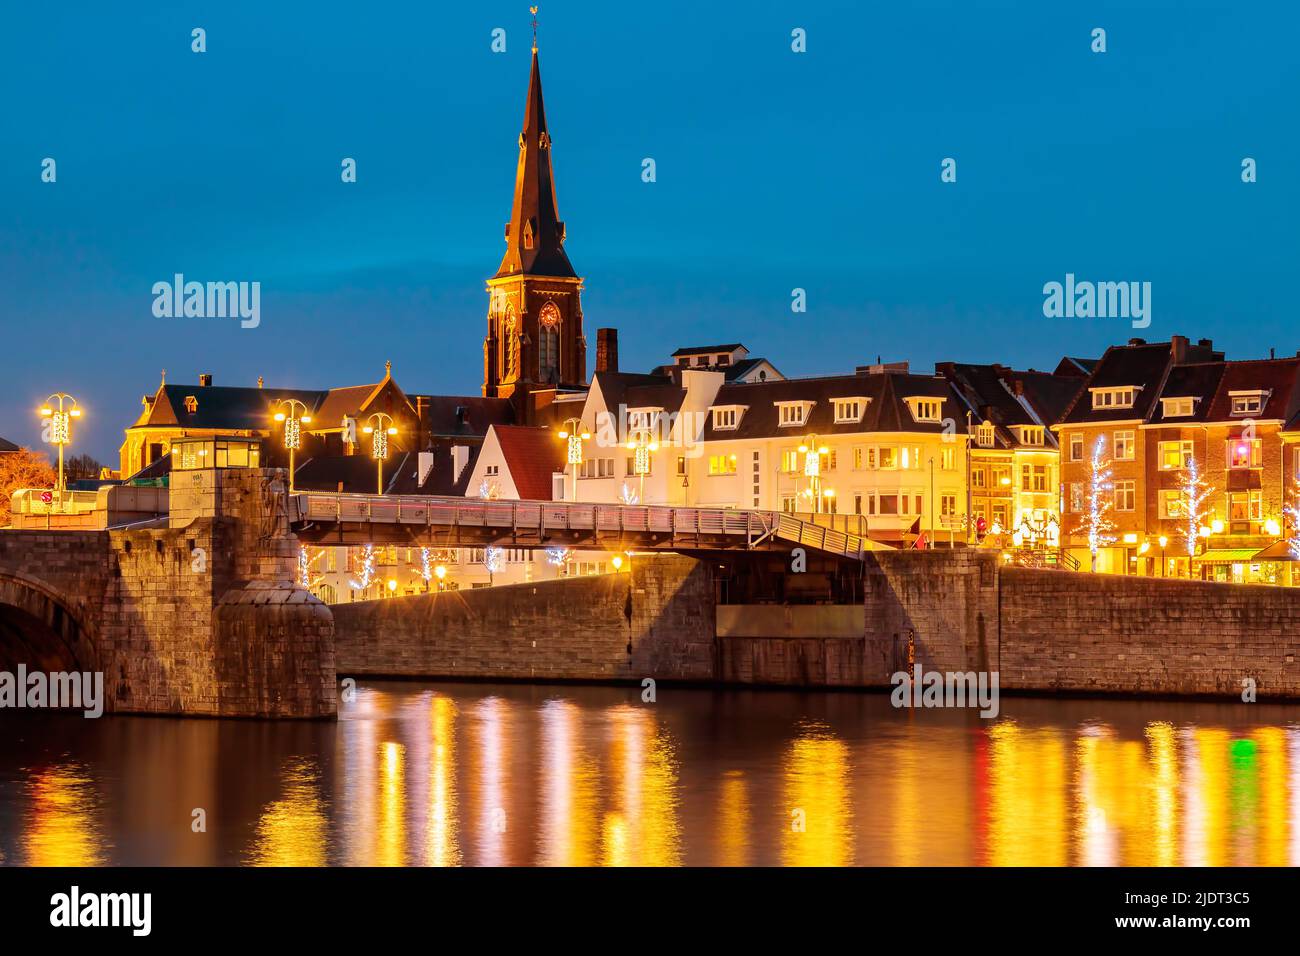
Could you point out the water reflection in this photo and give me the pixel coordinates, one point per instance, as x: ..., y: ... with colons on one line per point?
x: 448, y: 775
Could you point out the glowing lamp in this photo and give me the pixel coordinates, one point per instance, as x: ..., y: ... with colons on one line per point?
x: 279, y: 416
x: 1146, y: 546
x: 1130, y: 538
x: 1163, y: 541
x: 617, y: 561
x: 1217, y: 525
x: 392, y: 585
x: 1272, y: 527
x: 440, y: 571
x: 563, y: 435
x: 45, y: 412
x: 75, y: 413
x: 1205, y: 531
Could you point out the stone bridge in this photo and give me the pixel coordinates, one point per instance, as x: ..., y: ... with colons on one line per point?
x: 195, y: 613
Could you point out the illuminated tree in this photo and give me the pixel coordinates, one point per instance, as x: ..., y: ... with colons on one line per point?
x: 21, y: 469
x: 1194, y: 492
x: 367, y: 570
x: 1097, y: 524
x: 1292, y: 511
x: 494, y: 559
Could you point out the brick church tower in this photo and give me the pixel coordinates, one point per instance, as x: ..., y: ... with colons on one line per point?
x: 534, y: 339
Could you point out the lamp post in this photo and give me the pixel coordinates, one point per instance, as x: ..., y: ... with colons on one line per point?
x: 574, y: 433
x: 812, y: 468
x: 293, y: 423
x: 641, y: 443
x: 58, y: 412
x: 379, y: 431
x: 1164, y: 568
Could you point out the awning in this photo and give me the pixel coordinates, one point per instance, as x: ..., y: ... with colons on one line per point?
x: 1277, y: 551
x: 1225, y: 555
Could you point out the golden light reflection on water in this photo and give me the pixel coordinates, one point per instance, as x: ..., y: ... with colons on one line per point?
x: 592, y: 778
x: 818, y: 825
x: 293, y: 830
x: 62, y: 825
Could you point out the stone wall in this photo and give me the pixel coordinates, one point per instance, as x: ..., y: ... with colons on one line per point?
x: 1113, y: 634
x: 656, y: 621
x: 199, y: 618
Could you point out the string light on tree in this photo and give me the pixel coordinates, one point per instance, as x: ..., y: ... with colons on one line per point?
x: 1292, y: 512
x: 494, y: 560
x: 1098, y: 524
x: 557, y: 556
x: 1194, y: 493
x: 367, y: 570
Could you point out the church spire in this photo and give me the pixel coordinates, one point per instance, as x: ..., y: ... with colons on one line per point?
x: 535, y: 234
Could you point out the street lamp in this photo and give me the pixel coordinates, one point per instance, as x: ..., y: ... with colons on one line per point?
x: 641, y: 444
x: 1164, y: 568
x: 574, y: 433
x: 812, y: 467
x: 379, y: 441
x: 59, y: 422
x: 293, y: 423
x: 441, y: 573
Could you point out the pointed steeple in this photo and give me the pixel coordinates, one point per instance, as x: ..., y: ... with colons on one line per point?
x: 535, y: 234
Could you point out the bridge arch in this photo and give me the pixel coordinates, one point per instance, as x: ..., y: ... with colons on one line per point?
x: 39, y: 627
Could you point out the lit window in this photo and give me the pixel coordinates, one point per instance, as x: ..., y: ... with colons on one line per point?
x: 1171, y: 504
x: 792, y: 413
x: 1031, y: 434
x: 926, y: 409
x: 1247, y: 403
x: 947, y: 460
x: 790, y: 461
x: 1076, y: 446
x: 1245, y: 454
x: 984, y: 435
x: 849, y: 409
x: 888, y: 457
x: 1175, y: 455
x: 722, y: 464
x: 1178, y: 407
x: 1114, y: 397
x: 726, y: 418
x: 1125, y: 495
x: 1124, y: 446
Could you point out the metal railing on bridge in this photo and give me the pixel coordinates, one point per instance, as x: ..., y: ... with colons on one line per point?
x: 541, y: 517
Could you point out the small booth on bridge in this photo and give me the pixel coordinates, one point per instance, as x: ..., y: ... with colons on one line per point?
x: 221, y: 451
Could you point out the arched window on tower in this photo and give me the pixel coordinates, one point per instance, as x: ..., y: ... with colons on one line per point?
x: 548, y: 322
x: 510, y: 346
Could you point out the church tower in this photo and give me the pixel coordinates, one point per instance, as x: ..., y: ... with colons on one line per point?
x: 534, y: 338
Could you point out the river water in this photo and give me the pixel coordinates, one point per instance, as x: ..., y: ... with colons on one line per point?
x: 476, y: 774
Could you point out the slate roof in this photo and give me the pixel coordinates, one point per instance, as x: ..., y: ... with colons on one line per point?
x: 6, y: 445
x: 1277, y: 376
x: 1199, y: 380
x: 989, y: 391
x: 886, y: 411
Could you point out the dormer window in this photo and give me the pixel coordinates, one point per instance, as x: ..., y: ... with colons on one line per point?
x: 1123, y: 397
x: 727, y: 417
x: 1031, y: 434
x: 1248, y: 402
x: 984, y: 435
x: 792, y: 413
x: 850, y: 409
x: 926, y: 409
x: 1178, y: 407
x: 191, y: 404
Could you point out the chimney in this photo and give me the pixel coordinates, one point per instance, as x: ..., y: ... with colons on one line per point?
x: 205, y: 380
x: 1272, y: 353
x: 1178, y: 347
x: 1137, y: 341
x: 1018, y: 387
x: 459, y: 459
x: 1206, y: 343
x: 425, y: 466
x: 607, y: 350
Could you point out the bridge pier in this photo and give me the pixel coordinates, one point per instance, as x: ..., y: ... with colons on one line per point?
x: 197, y: 614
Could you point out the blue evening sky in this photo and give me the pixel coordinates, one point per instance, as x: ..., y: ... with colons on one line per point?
x: 776, y: 170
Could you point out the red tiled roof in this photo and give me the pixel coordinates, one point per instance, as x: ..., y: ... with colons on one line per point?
x: 532, y: 455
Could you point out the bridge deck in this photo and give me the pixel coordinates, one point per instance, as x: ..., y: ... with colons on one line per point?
x: 454, y: 522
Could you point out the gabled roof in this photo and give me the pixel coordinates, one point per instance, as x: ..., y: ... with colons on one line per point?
x: 356, y: 474
x: 1009, y: 399
x: 6, y: 445
x: 532, y: 456
x: 1072, y: 365
x: 1143, y: 365
x: 1276, y: 376
x: 887, y: 410
x: 1199, y: 381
